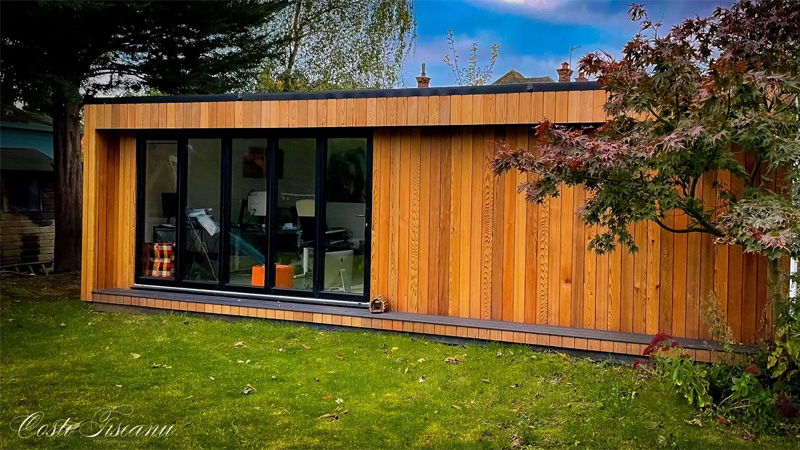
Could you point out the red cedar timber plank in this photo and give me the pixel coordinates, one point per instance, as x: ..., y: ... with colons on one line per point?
x: 414, y: 209
x: 640, y: 278
x: 405, y: 219
x: 509, y: 210
x: 443, y: 263
x: 384, y: 137
x: 478, y: 168
x: 567, y: 254
x: 735, y: 268
x: 554, y: 262
x: 454, y: 141
x: 466, y: 214
x: 614, y: 289
x: 519, y: 228
x: 543, y: 260
x: 590, y: 295
x: 531, y: 245
x: 665, y: 276
x: 693, y: 299
x: 375, y: 231
x: 487, y: 227
x: 679, y: 272
x: 577, y: 298
x: 706, y: 261
x: 427, y: 209
x: 602, y: 292
x: 749, y: 312
x: 438, y: 263
x: 498, y: 239
x: 626, y: 289
x: 394, y: 218
x: 721, y: 254
x: 653, y: 272
x: 750, y: 279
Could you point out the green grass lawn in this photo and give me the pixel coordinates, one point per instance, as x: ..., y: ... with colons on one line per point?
x: 394, y: 391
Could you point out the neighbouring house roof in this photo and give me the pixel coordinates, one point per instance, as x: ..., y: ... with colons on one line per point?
x: 14, y: 115
x: 514, y: 77
x: 25, y: 159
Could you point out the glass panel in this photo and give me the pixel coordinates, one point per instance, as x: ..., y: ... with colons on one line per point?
x: 295, y: 164
x: 248, y: 212
x: 202, y: 211
x: 160, y: 209
x: 346, y: 203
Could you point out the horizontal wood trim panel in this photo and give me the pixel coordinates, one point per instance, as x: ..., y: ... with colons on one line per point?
x: 490, y: 109
x: 443, y: 216
x: 548, y: 336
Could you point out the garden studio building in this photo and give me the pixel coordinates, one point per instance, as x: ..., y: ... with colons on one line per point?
x: 304, y: 206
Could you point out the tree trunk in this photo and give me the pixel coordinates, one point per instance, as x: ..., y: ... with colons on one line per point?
x: 69, y: 185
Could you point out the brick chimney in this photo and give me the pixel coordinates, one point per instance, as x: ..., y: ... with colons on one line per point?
x: 423, y: 80
x: 581, y: 77
x: 564, y: 73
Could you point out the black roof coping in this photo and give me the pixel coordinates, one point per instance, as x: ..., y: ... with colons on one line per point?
x: 365, y: 93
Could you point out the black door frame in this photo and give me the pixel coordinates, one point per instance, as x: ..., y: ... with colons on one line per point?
x: 182, y: 136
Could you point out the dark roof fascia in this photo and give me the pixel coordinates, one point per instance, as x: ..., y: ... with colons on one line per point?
x: 367, y: 93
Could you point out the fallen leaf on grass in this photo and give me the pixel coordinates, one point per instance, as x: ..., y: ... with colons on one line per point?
x: 422, y: 379
x: 340, y: 357
x: 456, y: 407
x: 306, y: 347
x: 485, y: 381
x: 118, y: 385
x: 248, y: 390
x: 328, y: 396
x: 213, y: 378
x: 136, y: 355
x: 239, y: 344
x: 62, y: 324
x: 452, y: 360
x: 722, y: 420
x: 329, y: 416
x: 515, y: 441
x: 160, y: 366
x: 339, y: 401
x: 696, y: 422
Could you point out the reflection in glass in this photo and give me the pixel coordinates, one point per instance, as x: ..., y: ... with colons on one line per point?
x: 345, y: 224
x: 160, y: 209
x: 248, y: 212
x: 202, y: 233
x: 295, y: 227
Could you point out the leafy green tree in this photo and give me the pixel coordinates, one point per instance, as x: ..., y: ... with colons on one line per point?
x: 472, y: 75
x: 57, y: 53
x: 712, y: 100
x: 340, y: 44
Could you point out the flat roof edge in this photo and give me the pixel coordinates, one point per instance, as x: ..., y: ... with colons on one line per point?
x: 365, y: 93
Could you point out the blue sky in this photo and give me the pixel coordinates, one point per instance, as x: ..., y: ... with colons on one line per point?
x: 534, y: 35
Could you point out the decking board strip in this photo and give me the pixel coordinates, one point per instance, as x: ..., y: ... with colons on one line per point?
x: 445, y: 322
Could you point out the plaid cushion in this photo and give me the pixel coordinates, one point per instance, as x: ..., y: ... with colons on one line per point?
x: 161, y: 260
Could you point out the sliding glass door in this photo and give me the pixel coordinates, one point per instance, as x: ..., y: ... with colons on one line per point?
x: 248, y: 217
x: 269, y: 215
